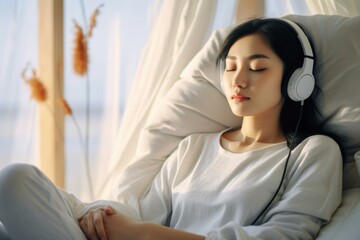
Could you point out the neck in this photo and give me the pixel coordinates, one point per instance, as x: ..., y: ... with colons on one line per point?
x: 259, y: 129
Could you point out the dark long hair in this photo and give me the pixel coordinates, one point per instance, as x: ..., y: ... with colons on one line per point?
x: 284, y: 42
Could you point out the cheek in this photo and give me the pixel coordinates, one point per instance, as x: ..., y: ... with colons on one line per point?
x: 226, y: 87
x: 271, y: 90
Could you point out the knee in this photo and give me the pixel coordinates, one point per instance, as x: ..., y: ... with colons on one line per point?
x: 14, y: 177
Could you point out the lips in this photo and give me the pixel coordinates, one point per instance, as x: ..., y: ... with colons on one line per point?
x: 239, y: 98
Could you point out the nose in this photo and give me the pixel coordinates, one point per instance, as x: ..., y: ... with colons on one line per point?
x: 240, y: 80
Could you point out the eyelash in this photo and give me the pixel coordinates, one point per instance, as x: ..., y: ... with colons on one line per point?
x: 257, y: 70
x: 252, y: 70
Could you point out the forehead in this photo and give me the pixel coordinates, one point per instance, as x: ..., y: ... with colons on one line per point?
x: 250, y: 45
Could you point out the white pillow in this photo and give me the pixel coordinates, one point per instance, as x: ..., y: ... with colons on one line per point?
x: 196, y: 103
x: 336, y: 41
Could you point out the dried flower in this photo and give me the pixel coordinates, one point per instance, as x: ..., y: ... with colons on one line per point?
x: 63, y: 103
x: 38, y: 91
x: 93, y: 20
x: 80, y: 52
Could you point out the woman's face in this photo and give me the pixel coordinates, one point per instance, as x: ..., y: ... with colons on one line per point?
x: 252, y: 77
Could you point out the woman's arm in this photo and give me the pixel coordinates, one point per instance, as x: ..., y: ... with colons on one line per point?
x: 118, y: 226
x: 159, y: 232
x: 154, y: 205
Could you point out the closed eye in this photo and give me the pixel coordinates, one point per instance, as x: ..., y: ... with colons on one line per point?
x: 257, y: 70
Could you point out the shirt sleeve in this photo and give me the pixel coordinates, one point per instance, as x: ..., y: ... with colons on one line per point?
x: 153, y: 205
x: 311, y: 195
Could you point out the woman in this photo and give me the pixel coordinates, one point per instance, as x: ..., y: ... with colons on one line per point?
x: 273, y: 178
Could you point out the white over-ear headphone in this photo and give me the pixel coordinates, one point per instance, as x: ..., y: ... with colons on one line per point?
x: 301, y: 83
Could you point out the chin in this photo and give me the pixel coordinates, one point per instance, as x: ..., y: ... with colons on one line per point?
x: 241, y: 113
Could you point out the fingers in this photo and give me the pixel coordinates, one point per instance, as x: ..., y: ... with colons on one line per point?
x: 109, y: 210
x: 99, y: 225
x: 92, y: 224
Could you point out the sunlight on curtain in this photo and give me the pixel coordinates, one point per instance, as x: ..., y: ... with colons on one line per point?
x: 337, y: 7
x: 179, y: 31
x: 279, y: 8
x: 114, y: 52
x: 18, y: 46
x: 132, y: 23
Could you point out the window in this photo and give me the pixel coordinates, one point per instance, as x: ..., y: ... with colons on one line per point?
x: 18, y: 47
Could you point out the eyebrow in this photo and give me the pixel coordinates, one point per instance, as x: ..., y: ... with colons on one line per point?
x: 252, y: 57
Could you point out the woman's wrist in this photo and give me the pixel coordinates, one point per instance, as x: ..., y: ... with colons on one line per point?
x: 151, y: 231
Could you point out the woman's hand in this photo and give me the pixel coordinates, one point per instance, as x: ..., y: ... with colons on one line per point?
x: 92, y: 223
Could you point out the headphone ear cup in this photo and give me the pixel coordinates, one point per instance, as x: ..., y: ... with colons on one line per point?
x: 301, y: 85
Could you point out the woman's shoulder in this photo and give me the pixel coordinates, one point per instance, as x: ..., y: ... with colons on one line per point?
x: 197, y: 138
x: 319, y: 141
x: 200, y: 142
x: 319, y: 147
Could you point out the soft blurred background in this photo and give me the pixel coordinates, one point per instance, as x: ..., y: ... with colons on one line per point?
x: 118, y: 57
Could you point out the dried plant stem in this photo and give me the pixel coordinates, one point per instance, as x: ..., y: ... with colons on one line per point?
x: 82, y: 143
x: 79, y: 132
x: 68, y: 111
x: 87, y: 124
x: 84, y: 14
x: 81, y: 67
x: 87, y: 165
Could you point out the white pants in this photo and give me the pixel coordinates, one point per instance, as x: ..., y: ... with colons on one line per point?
x: 32, y: 207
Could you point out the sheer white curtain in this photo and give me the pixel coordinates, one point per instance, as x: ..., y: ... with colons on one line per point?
x: 277, y: 8
x: 18, y: 47
x: 129, y: 31
x: 179, y: 31
x: 335, y: 7
x: 171, y: 44
x: 146, y: 45
x: 114, y: 50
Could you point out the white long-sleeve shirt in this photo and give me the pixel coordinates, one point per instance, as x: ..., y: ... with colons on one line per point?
x: 204, y: 189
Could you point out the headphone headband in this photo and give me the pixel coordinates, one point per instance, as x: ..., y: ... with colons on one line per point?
x: 302, y: 37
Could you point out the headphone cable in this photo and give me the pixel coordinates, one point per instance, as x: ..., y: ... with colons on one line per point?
x: 285, y: 167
